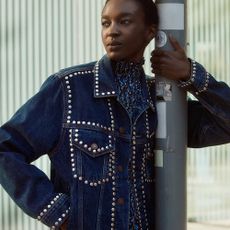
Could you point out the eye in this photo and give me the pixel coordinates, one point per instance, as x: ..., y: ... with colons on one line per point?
x: 105, y: 23
x: 125, y: 21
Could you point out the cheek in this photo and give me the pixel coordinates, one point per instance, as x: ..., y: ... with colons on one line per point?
x: 135, y: 35
x: 141, y: 39
x: 136, y: 41
x: 103, y: 36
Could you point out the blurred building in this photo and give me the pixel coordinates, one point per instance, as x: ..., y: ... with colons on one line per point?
x: 37, y: 38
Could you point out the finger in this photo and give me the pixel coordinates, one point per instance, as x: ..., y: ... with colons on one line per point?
x: 155, y: 66
x: 175, y: 44
x: 158, y: 52
x: 156, y: 72
x: 158, y: 68
x: 155, y: 60
x: 160, y: 60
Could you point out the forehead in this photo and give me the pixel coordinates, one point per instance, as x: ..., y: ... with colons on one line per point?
x: 122, y: 7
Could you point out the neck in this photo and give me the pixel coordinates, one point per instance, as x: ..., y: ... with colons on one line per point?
x: 124, y: 67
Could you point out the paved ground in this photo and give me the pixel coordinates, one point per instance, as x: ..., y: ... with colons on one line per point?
x: 222, y: 225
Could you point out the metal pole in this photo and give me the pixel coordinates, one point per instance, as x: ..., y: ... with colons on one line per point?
x: 171, y: 136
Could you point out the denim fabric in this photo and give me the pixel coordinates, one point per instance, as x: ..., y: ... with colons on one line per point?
x: 96, y: 153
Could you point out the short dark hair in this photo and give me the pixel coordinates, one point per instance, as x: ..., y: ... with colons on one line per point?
x: 150, y: 11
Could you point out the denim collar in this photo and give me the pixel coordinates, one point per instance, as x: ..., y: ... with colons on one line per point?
x: 104, y: 81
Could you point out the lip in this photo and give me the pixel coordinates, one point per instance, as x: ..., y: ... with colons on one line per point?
x: 114, y: 44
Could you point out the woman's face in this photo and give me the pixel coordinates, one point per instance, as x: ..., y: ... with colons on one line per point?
x: 124, y: 31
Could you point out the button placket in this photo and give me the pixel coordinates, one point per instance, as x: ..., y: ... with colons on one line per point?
x: 134, y: 179
x: 144, y: 178
x: 112, y: 171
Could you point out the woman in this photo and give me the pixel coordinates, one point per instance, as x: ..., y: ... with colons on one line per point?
x: 97, y: 122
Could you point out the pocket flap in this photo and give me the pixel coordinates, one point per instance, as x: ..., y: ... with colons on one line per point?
x: 93, y: 142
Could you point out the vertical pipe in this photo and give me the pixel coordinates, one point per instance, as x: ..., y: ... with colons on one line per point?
x: 171, y: 136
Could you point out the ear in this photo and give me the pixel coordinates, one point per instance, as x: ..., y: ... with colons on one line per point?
x: 151, y: 33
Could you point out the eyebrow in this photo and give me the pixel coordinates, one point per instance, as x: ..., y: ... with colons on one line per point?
x: 120, y: 15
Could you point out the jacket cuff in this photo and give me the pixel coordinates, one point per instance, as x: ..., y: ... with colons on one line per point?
x: 56, y: 212
x: 199, y: 79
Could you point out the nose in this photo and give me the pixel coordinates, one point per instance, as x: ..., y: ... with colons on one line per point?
x: 114, y: 30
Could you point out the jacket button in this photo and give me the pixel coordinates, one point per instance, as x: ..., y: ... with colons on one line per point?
x: 120, y: 201
x: 149, y: 155
x: 120, y: 168
x: 94, y: 146
x: 122, y: 130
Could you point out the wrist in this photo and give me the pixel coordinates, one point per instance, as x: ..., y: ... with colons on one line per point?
x: 189, y: 70
x: 191, y: 76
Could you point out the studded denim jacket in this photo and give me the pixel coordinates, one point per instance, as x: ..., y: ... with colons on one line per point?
x: 94, y: 150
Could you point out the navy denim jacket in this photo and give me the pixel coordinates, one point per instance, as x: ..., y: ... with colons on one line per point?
x: 96, y: 154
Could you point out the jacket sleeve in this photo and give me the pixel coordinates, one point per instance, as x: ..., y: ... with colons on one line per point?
x: 209, y: 116
x: 34, y: 130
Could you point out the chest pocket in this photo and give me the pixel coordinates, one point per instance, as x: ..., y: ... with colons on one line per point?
x: 94, y: 155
